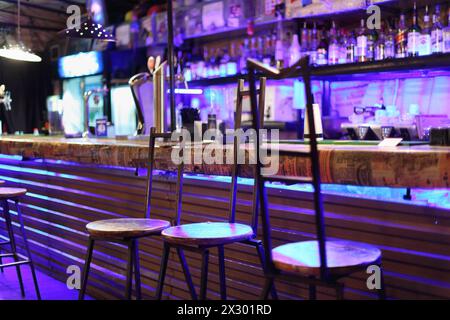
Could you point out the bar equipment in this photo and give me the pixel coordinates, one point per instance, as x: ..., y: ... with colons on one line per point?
x: 136, y: 82
x: 87, y: 94
x: 159, y: 97
x: 5, y: 97
x: 54, y: 115
x: 440, y: 136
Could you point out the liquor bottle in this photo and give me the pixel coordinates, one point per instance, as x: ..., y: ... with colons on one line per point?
x: 260, y: 48
x: 232, y: 65
x: 351, y: 48
x: 389, y: 43
x: 437, y: 43
x: 253, y: 48
x: 223, y: 63
x: 245, y: 54
x: 322, y: 50
x: 414, y: 35
x: 361, y: 43
x: 380, y: 47
x: 268, y: 57
x: 274, y: 41
x: 314, y: 44
x: 343, y: 42
x: 294, y: 50
x: 305, y: 36
x: 279, y: 46
x: 425, y: 37
x: 372, y: 38
x: 401, y: 40
x: 333, y: 48
x: 446, y: 35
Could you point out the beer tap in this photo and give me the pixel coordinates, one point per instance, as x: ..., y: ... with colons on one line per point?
x: 104, y: 90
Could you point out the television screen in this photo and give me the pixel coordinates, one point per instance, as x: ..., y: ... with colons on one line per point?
x: 80, y: 64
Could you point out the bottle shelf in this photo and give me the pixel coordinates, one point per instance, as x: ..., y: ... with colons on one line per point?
x: 425, y: 66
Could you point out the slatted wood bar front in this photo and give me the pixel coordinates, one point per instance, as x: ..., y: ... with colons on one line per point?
x: 63, y: 197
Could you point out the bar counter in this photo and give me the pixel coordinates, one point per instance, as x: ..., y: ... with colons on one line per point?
x: 72, y: 182
x: 417, y: 166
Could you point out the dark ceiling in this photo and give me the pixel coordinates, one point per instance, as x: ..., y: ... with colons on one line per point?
x: 41, y: 20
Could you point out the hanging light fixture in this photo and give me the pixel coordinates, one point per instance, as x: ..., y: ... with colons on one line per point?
x: 90, y: 30
x: 19, y: 51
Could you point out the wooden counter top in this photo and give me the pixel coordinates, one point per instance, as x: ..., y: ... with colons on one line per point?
x: 416, y: 166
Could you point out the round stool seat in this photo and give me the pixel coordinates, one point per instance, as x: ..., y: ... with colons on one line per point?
x: 343, y: 257
x: 2, y: 182
x: 207, y: 233
x: 126, y: 228
x: 6, y: 193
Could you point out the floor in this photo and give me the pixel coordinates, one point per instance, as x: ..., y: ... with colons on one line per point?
x: 50, y: 288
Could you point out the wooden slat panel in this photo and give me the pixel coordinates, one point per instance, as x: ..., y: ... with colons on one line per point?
x: 63, y: 198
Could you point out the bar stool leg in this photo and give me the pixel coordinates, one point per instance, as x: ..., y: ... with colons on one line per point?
x: 187, y: 274
x: 27, y: 249
x: 1, y: 260
x: 382, y: 291
x: 137, y: 270
x: 87, y: 266
x: 312, y: 290
x: 12, y: 243
x: 129, y: 281
x: 267, y: 287
x: 260, y: 250
x: 223, y: 285
x: 339, y: 291
x: 162, y: 270
x: 204, y: 275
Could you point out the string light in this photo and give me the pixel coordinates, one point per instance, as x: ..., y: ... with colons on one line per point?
x: 90, y: 30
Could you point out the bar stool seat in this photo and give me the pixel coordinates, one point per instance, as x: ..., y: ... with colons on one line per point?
x: 343, y: 257
x: 8, y: 193
x: 125, y: 228
x: 207, y: 233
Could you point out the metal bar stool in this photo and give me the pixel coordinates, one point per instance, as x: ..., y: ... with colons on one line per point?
x: 14, y: 195
x: 128, y: 231
x: 316, y: 262
x: 202, y: 237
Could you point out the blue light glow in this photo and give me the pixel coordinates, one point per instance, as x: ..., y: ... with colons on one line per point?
x: 81, y: 64
x: 187, y: 91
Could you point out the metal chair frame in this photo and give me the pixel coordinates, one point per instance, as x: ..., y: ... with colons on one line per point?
x: 271, y: 272
x: 19, y: 259
x: 133, y: 265
x: 204, y: 250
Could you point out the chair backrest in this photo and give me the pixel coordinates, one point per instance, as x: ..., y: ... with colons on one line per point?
x: 241, y: 93
x: 150, y: 168
x: 302, y: 69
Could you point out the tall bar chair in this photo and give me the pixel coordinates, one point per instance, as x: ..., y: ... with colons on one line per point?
x: 317, y: 262
x: 14, y: 194
x: 128, y: 231
x: 204, y: 236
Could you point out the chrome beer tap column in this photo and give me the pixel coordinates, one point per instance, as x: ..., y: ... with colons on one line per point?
x: 87, y: 94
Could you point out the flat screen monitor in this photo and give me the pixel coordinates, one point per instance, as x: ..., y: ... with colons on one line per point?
x: 80, y: 64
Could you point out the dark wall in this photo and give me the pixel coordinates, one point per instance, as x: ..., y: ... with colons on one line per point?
x: 30, y: 85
